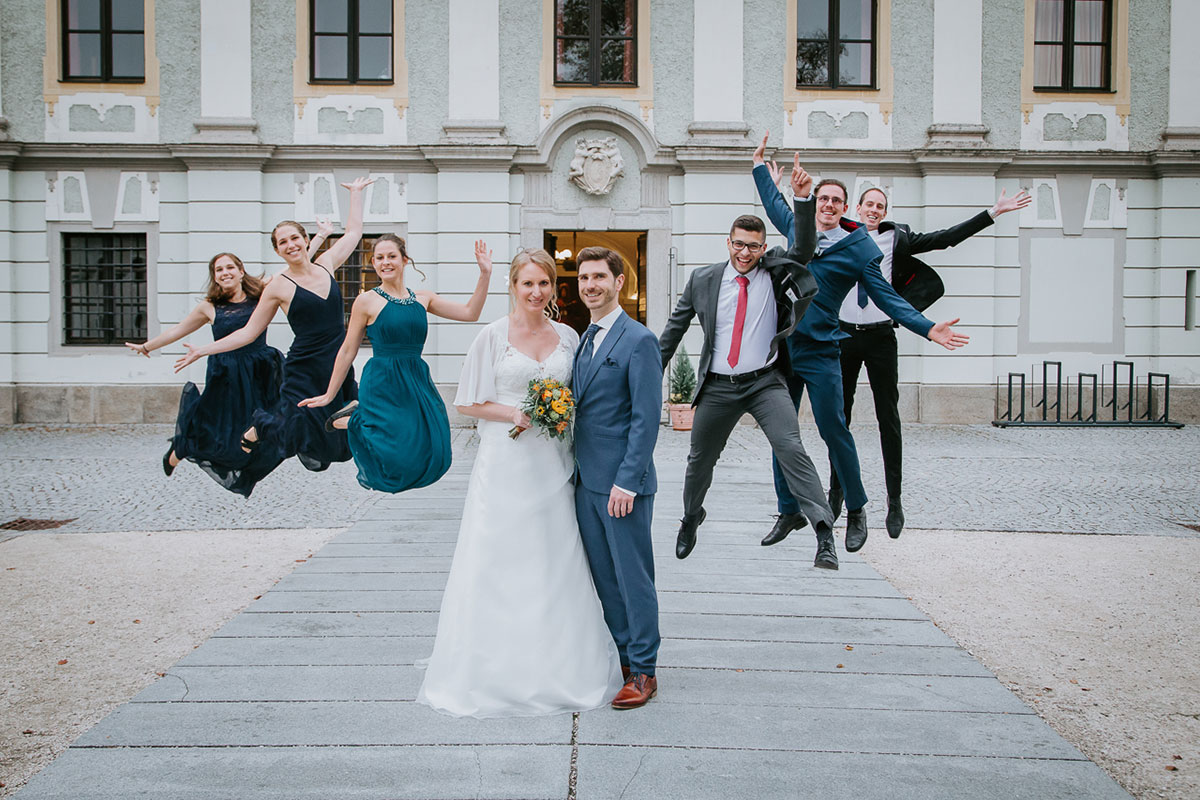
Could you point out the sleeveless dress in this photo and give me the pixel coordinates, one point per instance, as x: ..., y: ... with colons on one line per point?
x: 399, y: 434
x: 521, y: 631
x: 285, y: 429
x: 209, y: 426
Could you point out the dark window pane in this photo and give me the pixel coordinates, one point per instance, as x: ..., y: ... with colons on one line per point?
x: 83, y: 14
x: 128, y: 55
x: 83, y: 55
x: 375, y: 58
x: 1089, y: 21
x: 616, y: 61
x: 104, y: 289
x: 331, y: 16
x: 127, y: 15
x: 616, y: 17
x: 854, y: 19
x: 812, y: 63
x: 375, y: 16
x: 572, y: 59
x: 1047, y: 65
x: 1089, y: 66
x: 574, y: 18
x: 330, y: 58
x: 854, y: 65
x: 812, y: 19
x: 1048, y: 21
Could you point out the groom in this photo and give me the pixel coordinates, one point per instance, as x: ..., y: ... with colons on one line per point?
x: 618, y: 397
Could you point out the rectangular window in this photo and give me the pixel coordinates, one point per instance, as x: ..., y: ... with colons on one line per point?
x: 595, y: 42
x: 103, y: 41
x: 104, y: 288
x: 351, y: 41
x: 356, y: 275
x: 1072, y: 49
x: 835, y: 44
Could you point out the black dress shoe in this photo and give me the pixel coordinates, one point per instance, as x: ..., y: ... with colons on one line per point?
x: 826, y: 551
x: 895, y: 517
x: 167, y: 468
x: 784, y: 524
x: 685, y: 540
x: 856, y: 530
x: 345, y: 411
x: 835, y: 501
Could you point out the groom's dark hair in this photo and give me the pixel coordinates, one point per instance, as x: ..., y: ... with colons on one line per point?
x: 616, y: 264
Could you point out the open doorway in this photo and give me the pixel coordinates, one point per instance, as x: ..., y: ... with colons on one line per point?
x: 564, y: 245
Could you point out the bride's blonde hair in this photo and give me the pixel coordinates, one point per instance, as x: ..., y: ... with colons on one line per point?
x: 544, y: 260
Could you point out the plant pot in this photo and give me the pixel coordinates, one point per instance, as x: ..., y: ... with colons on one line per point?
x: 681, y: 415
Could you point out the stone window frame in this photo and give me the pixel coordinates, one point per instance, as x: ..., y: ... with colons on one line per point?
x: 643, y: 93
x: 1118, y: 94
x: 352, y: 39
x: 833, y: 35
x: 56, y: 344
x: 54, y: 87
x: 596, y: 40
x: 881, y: 94
x: 303, y: 89
x: 1067, y: 44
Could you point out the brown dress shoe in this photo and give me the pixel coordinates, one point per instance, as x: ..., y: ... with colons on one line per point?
x: 637, y: 692
x: 625, y: 672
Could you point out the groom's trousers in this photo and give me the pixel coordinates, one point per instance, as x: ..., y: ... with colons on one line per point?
x: 721, y: 404
x: 622, y: 561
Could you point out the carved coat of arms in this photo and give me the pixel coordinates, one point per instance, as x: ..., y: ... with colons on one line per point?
x: 597, y: 165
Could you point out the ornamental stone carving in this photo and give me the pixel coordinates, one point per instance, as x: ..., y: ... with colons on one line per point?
x: 597, y: 165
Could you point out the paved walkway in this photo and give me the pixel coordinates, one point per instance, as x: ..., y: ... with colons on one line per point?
x: 777, y: 680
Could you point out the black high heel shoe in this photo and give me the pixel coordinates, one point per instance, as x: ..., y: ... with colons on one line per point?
x: 167, y: 467
x: 346, y: 411
x: 249, y: 445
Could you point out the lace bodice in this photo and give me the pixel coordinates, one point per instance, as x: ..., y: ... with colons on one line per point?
x: 515, y: 370
x: 496, y: 371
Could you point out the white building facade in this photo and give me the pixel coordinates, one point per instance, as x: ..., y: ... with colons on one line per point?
x: 141, y: 137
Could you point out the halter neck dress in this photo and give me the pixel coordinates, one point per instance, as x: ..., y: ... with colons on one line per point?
x: 285, y: 429
x: 399, y: 434
x: 209, y: 425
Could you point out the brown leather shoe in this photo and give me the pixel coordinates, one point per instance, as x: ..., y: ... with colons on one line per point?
x: 637, y: 692
x: 625, y: 672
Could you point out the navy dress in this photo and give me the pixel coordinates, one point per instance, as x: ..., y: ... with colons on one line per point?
x: 210, y: 424
x: 399, y: 434
x: 285, y: 429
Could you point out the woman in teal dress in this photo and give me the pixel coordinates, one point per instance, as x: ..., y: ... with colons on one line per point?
x: 398, y: 430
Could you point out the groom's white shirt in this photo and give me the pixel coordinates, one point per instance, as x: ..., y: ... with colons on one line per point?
x: 605, y: 323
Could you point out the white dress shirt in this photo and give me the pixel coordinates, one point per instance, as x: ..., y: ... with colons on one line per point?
x: 605, y: 324
x: 758, y: 328
x: 871, y: 314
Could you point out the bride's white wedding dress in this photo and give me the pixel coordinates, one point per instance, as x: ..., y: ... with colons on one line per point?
x: 521, y: 631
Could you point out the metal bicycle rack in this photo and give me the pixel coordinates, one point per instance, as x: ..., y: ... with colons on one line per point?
x: 1053, y: 399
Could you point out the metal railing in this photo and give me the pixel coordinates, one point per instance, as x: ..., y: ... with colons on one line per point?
x: 1051, y: 402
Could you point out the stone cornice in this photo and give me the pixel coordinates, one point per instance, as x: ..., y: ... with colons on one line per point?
x: 223, y: 156
x: 470, y: 157
x: 408, y: 158
x: 132, y: 157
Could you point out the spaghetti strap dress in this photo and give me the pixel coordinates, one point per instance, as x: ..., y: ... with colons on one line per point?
x: 285, y: 429
x: 209, y: 425
x: 399, y: 434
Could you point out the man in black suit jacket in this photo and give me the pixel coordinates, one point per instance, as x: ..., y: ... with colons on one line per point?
x: 747, y: 307
x: 872, y: 333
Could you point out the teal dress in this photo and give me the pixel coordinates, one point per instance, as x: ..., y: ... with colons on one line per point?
x: 399, y: 434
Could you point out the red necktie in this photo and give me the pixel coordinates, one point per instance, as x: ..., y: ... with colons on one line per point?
x: 739, y: 320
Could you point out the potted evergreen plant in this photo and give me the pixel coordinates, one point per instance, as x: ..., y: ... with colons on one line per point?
x: 681, y: 387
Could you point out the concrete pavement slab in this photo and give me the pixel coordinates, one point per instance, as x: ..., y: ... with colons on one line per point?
x: 332, y: 624
x: 304, y: 651
x: 362, y: 582
x: 870, y: 658
x: 752, y: 605
x: 280, y: 684
x: 802, y: 629
x: 349, y: 600
x: 772, y: 585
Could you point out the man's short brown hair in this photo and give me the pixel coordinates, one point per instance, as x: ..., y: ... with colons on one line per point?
x: 833, y: 182
x: 748, y: 222
x: 616, y: 264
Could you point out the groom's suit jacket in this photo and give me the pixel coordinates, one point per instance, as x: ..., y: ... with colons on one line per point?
x: 618, y: 402
x: 793, y: 285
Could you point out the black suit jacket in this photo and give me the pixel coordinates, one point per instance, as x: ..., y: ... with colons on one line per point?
x: 913, y: 279
x: 792, y: 283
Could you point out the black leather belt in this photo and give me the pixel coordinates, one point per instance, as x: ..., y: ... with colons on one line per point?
x: 744, y: 376
x: 851, y: 327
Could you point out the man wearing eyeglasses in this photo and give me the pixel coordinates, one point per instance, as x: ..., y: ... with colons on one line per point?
x: 846, y: 257
x: 747, y: 307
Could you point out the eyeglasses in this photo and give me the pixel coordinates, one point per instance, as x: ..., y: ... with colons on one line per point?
x: 833, y: 201
x: 753, y: 247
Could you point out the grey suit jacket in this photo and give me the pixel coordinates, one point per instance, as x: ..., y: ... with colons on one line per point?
x: 793, y: 285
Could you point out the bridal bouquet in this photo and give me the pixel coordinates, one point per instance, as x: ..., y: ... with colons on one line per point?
x: 550, y: 407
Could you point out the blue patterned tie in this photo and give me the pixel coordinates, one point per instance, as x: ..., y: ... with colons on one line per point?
x: 822, y: 240
x: 862, y: 295
x: 585, y: 349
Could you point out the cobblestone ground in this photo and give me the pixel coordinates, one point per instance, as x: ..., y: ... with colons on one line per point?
x: 957, y: 478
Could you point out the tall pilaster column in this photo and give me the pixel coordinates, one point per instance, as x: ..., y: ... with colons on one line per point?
x: 1183, y: 108
x: 957, y: 74
x: 474, y: 79
x: 226, y: 112
x: 717, y: 72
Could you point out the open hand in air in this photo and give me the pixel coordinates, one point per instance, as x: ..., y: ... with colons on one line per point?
x: 946, y: 336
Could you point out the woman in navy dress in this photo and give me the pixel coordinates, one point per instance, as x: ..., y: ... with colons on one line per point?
x: 309, y: 295
x: 235, y: 384
x: 398, y: 430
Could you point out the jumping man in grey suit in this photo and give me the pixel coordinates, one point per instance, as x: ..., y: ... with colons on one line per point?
x: 747, y: 307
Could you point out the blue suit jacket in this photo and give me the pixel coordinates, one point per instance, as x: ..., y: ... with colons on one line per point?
x: 618, y: 403
x: 838, y: 269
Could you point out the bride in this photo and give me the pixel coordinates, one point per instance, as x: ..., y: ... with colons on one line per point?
x: 521, y: 631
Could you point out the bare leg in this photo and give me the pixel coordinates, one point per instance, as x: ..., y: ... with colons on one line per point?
x: 250, y: 436
x: 341, y: 423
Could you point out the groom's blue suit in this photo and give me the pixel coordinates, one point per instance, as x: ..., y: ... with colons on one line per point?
x: 618, y: 396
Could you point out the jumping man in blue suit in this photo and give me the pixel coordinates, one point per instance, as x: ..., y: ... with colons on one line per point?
x: 846, y: 256
x: 618, y: 395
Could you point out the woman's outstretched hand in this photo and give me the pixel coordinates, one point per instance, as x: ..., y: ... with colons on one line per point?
x: 358, y: 184
x: 315, y: 402
x: 140, y: 349
x: 483, y: 257
x: 193, y: 354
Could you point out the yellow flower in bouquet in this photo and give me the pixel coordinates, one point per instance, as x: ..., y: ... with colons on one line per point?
x: 550, y: 408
